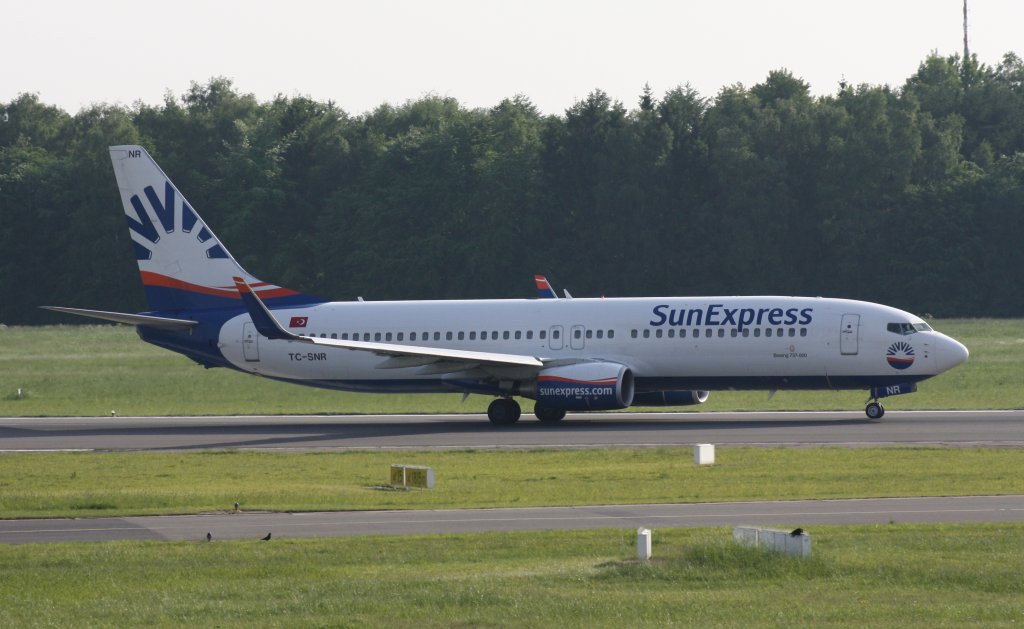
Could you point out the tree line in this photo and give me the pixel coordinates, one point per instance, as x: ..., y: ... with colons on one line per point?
x: 911, y: 196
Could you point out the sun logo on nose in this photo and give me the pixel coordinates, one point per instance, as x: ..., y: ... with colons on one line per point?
x: 900, y: 355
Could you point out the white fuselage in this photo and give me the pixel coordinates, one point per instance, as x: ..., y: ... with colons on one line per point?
x: 670, y: 342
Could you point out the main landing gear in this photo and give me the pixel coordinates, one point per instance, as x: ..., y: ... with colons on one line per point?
x: 505, y: 411
x: 548, y: 414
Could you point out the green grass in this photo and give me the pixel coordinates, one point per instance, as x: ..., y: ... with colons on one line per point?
x: 92, y: 370
x: 865, y: 576
x: 89, y: 484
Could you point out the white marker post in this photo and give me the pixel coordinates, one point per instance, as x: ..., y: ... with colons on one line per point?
x: 643, y: 544
x: 704, y: 454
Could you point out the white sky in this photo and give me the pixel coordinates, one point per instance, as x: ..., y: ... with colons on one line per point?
x: 359, y: 55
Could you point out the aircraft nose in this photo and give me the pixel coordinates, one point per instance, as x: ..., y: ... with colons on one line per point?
x: 951, y: 353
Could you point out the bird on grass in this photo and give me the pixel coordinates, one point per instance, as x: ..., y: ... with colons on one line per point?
x: 797, y: 532
x: 209, y: 536
x: 267, y: 538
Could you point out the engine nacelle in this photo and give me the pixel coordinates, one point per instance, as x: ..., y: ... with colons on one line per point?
x: 592, y: 386
x: 670, y: 398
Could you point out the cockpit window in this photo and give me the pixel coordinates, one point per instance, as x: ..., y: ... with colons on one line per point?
x: 908, y: 328
x: 901, y: 328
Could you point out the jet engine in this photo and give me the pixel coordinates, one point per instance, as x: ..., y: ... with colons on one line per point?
x: 592, y: 386
x: 670, y: 398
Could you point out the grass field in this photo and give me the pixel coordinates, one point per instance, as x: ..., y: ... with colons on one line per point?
x: 894, y: 575
x: 93, y: 370
x: 864, y: 576
x: 95, y: 484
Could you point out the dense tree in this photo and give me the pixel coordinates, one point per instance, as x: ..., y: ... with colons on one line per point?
x: 911, y: 196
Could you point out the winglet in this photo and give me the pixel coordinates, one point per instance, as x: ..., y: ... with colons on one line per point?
x: 544, y: 290
x: 265, y: 322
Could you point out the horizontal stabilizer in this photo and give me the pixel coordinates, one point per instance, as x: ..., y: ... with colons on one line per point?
x: 164, y: 323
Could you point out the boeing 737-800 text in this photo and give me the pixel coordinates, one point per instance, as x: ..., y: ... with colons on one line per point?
x: 565, y: 354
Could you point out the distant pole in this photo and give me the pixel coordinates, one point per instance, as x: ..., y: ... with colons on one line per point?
x: 967, y: 52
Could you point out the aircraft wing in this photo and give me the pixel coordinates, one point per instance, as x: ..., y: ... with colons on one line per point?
x: 402, y: 355
x: 165, y: 323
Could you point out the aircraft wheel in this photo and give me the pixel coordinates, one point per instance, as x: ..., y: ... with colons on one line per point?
x: 504, y: 411
x: 874, y: 410
x: 549, y: 415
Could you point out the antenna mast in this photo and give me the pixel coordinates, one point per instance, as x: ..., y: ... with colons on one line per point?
x: 967, y: 52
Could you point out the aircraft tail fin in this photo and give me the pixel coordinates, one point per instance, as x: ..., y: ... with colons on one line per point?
x: 184, y: 266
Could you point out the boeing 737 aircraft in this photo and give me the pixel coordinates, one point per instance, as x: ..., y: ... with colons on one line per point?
x: 565, y: 354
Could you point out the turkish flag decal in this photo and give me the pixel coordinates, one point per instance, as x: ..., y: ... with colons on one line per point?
x: 298, y: 322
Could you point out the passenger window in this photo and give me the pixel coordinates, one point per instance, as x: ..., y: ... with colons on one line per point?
x: 462, y: 335
x: 448, y: 336
x: 542, y: 335
x: 519, y: 334
x: 401, y: 336
x: 647, y: 334
x: 590, y: 334
x: 671, y: 333
x: 376, y: 336
x: 387, y: 337
x: 767, y: 331
x: 529, y: 335
x: 412, y: 336
x: 721, y: 333
x: 472, y: 335
x: 344, y: 336
x: 611, y: 334
x: 792, y: 332
x: 733, y: 332
x: 757, y: 333
x: 803, y: 331
x: 632, y: 334
x: 707, y: 333
x: 334, y: 335
x: 657, y: 333
x: 682, y: 333
x: 504, y: 335
x: 600, y: 334
x: 556, y: 334
x: 778, y: 332
x: 494, y: 335
x: 437, y: 336
x: 746, y: 332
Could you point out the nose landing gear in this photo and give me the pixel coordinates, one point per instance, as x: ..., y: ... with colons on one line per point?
x: 874, y: 410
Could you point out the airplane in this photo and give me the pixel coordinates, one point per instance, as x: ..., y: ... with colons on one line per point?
x: 578, y: 354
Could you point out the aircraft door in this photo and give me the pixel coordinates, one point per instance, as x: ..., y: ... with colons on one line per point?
x: 849, y: 335
x: 250, y: 342
x: 576, y: 335
x: 555, y: 337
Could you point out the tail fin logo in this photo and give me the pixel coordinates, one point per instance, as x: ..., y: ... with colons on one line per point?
x: 174, y: 223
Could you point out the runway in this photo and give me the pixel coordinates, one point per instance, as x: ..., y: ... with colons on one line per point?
x: 253, y: 526
x: 340, y: 432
